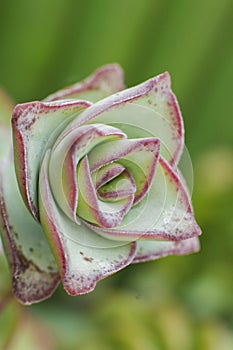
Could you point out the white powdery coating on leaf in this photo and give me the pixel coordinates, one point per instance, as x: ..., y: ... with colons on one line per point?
x: 34, y: 271
x: 90, y: 265
x: 162, y: 100
x: 81, y: 266
x: 36, y: 125
x: 165, y: 109
x: 151, y: 250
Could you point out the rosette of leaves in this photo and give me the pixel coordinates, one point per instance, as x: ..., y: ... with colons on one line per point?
x: 94, y: 184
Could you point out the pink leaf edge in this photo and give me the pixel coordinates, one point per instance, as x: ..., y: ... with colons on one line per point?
x: 169, y: 233
x: 23, y: 118
x: 166, y: 248
x: 160, y: 84
x: 44, y: 283
x: 82, y: 284
x: 84, y: 277
x: 108, y: 77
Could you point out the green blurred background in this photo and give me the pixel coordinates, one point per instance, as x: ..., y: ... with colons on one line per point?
x: 177, y: 303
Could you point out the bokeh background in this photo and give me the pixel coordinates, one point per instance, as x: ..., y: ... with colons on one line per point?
x: 176, y: 303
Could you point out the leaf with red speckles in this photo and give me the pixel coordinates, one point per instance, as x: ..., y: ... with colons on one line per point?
x: 149, y: 109
x: 36, y: 126
x: 103, y: 82
x: 151, y: 250
x: 34, y: 271
x: 169, y: 125
x: 82, y: 256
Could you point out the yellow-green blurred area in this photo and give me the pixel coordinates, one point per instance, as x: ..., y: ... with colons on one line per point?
x: 176, y: 303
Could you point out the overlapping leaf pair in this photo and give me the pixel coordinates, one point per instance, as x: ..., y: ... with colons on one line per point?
x: 96, y: 166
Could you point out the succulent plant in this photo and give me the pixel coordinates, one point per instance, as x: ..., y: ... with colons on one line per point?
x: 94, y: 184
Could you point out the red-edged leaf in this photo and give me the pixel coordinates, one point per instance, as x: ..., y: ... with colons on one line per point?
x: 103, y: 82
x: 149, y: 109
x: 106, y: 173
x: 151, y: 250
x: 90, y: 208
x: 118, y: 188
x: 164, y: 214
x: 36, y: 126
x: 65, y: 156
x: 138, y: 156
x: 34, y: 271
x: 82, y: 256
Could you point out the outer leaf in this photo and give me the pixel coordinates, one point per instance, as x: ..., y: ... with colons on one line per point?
x: 81, y: 255
x: 103, y: 82
x: 149, y: 109
x: 36, y: 126
x: 164, y: 214
x: 34, y: 271
x: 151, y: 250
x: 162, y: 100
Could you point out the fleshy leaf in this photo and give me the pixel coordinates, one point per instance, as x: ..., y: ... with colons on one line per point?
x: 162, y: 100
x: 66, y: 153
x: 120, y: 187
x: 94, y: 210
x: 148, y: 110
x: 164, y: 214
x: 106, y: 173
x: 151, y: 250
x: 103, y: 82
x: 81, y: 255
x: 36, y: 126
x: 34, y: 271
x: 138, y: 156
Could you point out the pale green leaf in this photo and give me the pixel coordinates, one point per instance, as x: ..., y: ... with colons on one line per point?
x: 34, y: 271
x: 36, y: 126
x: 83, y: 256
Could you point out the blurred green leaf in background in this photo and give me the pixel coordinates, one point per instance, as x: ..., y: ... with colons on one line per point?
x: 176, y: 303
